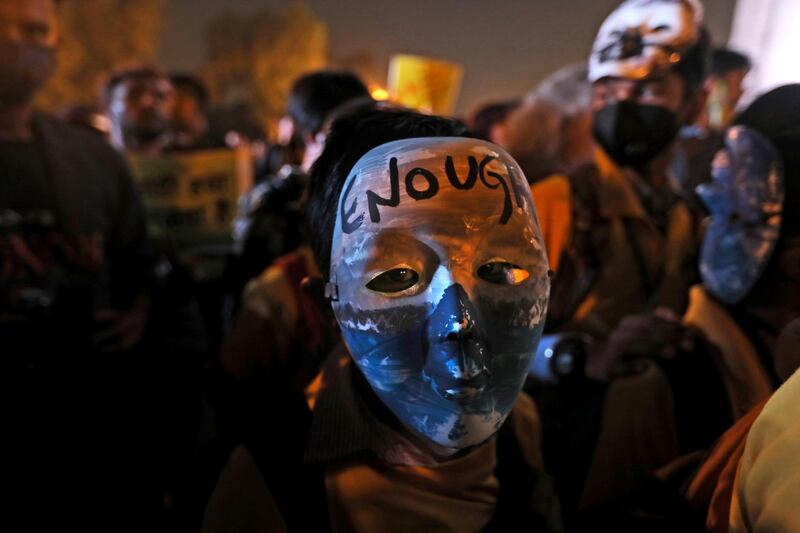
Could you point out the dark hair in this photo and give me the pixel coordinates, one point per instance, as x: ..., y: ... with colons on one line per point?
x: 776, y: 115
x: 121, y: 76
x: 490, y: 114
x: 349, y: 139
x: 315, y: 95
x: 724, y: 60
x: 192, y: 85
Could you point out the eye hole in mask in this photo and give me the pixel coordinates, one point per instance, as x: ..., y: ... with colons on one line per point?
x: 502, y: 273
x: 393, y: 281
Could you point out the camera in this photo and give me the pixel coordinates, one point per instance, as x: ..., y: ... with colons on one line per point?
x: 559, y: 358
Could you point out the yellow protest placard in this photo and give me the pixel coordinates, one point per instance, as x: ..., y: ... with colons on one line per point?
x: 191, y: 197
x: 424, y: 84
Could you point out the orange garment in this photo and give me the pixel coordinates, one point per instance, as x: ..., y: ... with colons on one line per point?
x: 553, y: 200
x: 277, y: 322
x: 366, y: 494
x: 711, y: 487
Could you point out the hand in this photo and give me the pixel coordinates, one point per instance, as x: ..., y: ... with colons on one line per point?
x: 637, y: 340
x: 121, y: 330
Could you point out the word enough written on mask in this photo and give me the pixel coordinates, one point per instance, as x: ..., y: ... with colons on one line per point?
x: 510, y: 183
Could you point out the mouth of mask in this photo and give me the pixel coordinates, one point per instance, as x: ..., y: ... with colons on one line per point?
x: 633, y: 134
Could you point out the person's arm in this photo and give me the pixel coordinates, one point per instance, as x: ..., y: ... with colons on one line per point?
x: 130, y: 258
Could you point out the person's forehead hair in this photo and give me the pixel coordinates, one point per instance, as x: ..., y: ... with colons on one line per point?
x: 120, y: 78
x: 724, y: 60
x: 191, y: 86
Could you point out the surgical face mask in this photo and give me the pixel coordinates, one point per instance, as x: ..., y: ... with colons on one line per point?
x: 24, y: 68
x: 745, y: 200
x: 632, y: 134
x: 441, y: 284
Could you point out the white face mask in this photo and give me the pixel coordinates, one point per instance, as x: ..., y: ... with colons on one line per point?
x: 644, y: 36
x: 745, y: 201
x: 442, y: 283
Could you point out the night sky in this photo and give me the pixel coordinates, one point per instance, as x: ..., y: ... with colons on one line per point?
x: 505, y: 46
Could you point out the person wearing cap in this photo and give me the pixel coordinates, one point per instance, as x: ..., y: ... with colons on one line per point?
x: 646, y: 70
x: 434, y: 268
x: 633, y: 254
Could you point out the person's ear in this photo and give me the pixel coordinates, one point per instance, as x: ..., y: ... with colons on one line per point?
x: 315, y: 288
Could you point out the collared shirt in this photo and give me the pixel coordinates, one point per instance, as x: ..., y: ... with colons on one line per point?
x: 376, y: 479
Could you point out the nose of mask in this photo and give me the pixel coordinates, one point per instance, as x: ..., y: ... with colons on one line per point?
x: 455, y: 364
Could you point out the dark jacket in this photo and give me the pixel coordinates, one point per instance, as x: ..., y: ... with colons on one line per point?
x: 95, y: 192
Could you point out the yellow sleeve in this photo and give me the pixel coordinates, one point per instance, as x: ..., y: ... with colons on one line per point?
x: 552, y: 197
x: 767, y: 487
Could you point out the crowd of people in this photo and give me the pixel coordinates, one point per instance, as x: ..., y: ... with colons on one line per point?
x: 577, y: 310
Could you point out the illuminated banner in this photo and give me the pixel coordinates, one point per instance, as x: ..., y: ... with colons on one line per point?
x: 424, y: 84
x: 192, y: 196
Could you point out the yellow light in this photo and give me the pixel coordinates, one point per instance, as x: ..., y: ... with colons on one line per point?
x: 380, y: 94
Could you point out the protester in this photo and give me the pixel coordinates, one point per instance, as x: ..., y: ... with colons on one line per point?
x: 278, y: 324
x: 75, y: 278
x: 550, y: 136
x: 189, y: 125
x: 634, y: 250
x: 408, y: 443
x: 279, y: 336
x: 700, y: 141
x: 269, y: 223
x: 489, y: 121
x: 140, y: 103
x: 725, y: 85
x: 630, y: 250
x: 177, y: 345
